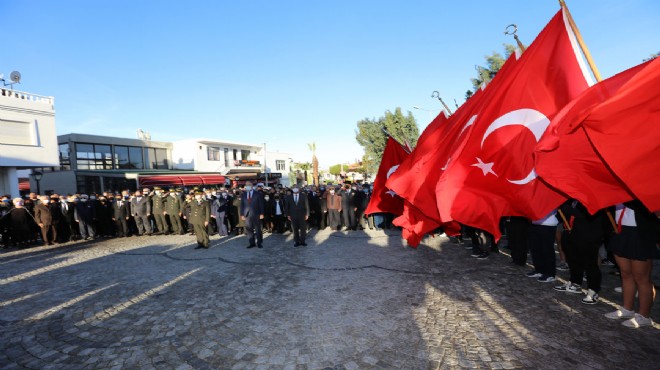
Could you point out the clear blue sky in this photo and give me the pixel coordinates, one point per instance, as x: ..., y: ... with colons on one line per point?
x: 282, y: 72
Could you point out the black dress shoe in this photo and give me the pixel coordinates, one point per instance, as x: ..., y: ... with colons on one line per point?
x: 251, y: 246
x: 296, y: 244
x: 260, y: 246
x: 303, y: 244
x: 199, y: 247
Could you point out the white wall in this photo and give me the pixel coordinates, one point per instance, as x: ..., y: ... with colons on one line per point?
x: 9, y: 181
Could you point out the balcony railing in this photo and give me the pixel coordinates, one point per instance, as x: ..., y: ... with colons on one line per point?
x: 28, y: 96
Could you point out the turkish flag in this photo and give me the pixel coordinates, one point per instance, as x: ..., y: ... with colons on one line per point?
x: 602, y: 149
x: 492, y: 174
x: 383, y: 199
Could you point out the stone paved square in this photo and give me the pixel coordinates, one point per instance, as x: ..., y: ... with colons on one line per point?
x: 350, y: 300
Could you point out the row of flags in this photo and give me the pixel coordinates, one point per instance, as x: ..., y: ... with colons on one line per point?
x: 539, y: 133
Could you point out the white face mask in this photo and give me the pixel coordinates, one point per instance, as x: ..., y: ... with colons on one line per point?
x: 266, y: 197
x: 332, y: 191
x: 92, y: 197
x: 198, y: 197
x: 294, y: 190
x: 248, y: 188
x: 83, y: 199
x: 173, y: 194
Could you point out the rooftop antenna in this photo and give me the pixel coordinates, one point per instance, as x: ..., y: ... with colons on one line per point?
x: 143, y: 135
x: 15, y: 78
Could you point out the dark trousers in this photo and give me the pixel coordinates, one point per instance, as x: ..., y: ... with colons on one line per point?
x: 87, y: 229
x: 516, y: 230
x: 143, y: 224
x: 220, y: 222
x: 582, y: 257
x: 161, y: 223
x: 201, y: 234
x: 542, y: 246
x: 253, y: 230
x: 299, y: 226
x: 122, y: 226
x: 278, y: 223
x: 333, y: 219
x: 175, y: 221
x: 49, y: 233
x: 348, y: 215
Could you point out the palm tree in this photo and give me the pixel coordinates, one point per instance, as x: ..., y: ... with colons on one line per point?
x: 315, y: 163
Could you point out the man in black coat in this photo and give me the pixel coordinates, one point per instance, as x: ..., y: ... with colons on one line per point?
x: 120, y: 215
x: 68, y: 230
x: 297, y: 211
x: 85, y: 215
x: 252, y: 211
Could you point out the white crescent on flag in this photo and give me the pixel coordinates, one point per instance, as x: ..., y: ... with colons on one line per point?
x: 535, y: 121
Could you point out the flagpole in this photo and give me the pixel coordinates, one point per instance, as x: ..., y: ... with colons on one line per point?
x: 580, y: 41
x: 397, y: 141
x: 515, y: 29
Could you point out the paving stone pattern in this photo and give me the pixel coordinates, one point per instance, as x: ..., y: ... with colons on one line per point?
x: 350, y: 300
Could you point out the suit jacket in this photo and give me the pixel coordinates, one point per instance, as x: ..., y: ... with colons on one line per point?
x: 42, y: 214
x: 255, y: 207
x: 85, y: 211
x: 333, y: 201
x: 297, y: 211
x: 120, y: 211
x: 69, y: 214
x: 141, y: 208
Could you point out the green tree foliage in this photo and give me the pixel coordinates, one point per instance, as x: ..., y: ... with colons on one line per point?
x: 371, y: 137
x: 335, y: 169
x: 494, y: 63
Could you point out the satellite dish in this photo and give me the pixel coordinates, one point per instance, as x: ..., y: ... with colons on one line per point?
x: 15, y: 77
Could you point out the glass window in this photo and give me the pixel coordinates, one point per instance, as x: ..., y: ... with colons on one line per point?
x: 235, y: 154
x: 135, y: 158
x: 226, y: 157
x: 280, y: 165
x: 103, y: 156
x: 121, y: 157
x: 84, y: 151
x: 65, y: 157
x: 161, y: 161
x: 245, y: 155
x: 213, y: 153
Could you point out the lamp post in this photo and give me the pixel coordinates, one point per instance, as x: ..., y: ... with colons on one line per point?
x: 37, y: 177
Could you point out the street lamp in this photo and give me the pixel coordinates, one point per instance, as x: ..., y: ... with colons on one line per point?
x: 37, y: 177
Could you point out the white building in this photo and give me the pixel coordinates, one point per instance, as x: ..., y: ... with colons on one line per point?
x: 28, y: 137
x: 237, y: 161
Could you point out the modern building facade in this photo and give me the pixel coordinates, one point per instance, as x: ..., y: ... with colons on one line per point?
x: 239, y: 162
x: 28, y: 138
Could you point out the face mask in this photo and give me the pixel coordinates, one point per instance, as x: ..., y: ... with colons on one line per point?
x: 294, y: 190
x: 224, y: 195
x: 332, y: 191
x: 173, y: 194
x: 158, y: 193
x: 248, y: 188
x: 198, y: 197
x: 277, y: 197
x: 83, y: 199
x: 125, y: 196
x: 19, y: 204
x: 92, y: 197
x: 322, y: 189
x: 118, y: 199
x: 366, y: 191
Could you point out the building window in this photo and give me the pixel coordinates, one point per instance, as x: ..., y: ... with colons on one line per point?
x: 65, y: 157
x: 245, y: 155
x: 136, y: 161
x: 213, y: 153
x: 280, y: 165
x: 235, y: 154
x: 156, y: 158
x: 93, y: 157
x: 226, y: 157
x: 88, y: 184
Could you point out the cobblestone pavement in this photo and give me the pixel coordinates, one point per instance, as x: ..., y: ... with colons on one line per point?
x: 347, y: 301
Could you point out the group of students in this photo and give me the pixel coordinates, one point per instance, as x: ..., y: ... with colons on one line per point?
x: 61, y: 218
x: 628, y: 232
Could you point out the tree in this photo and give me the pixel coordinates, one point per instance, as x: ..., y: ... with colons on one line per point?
x: 651, y: 57
x: 315, y: 163
x: 300, y: 172
x: 335, y: 169
x: 371, y: 137
x: 494, y: 62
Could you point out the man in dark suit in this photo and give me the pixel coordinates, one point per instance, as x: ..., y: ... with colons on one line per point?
x: 252, y: 212
x: 44, y: 219
x: 141, y: 209
x: 68, y: 229
x: 297, y: 211
x: 120, y: 215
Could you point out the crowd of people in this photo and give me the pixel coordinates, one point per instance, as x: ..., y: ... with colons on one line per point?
x: 627, y: 232
x: 624, y: 236
x: 48, y: 219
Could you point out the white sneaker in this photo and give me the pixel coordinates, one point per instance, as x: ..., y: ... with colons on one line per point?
x: 591, y: 298
x: 618, y: 289
x: 638, y: 321
x: 621, y: 313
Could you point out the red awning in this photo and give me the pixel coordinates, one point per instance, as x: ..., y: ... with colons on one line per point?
x: 24, y: 184
x: 180, y: 180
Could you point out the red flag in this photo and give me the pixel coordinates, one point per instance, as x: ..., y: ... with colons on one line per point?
x: 383, y: 199
x: 602, y: 149
x: 492, y: 174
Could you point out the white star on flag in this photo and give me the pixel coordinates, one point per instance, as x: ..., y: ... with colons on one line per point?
x: 485, y: 167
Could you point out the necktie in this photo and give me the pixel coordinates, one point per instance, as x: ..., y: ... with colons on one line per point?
x: 249, y: 197
x: 296, y: 200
